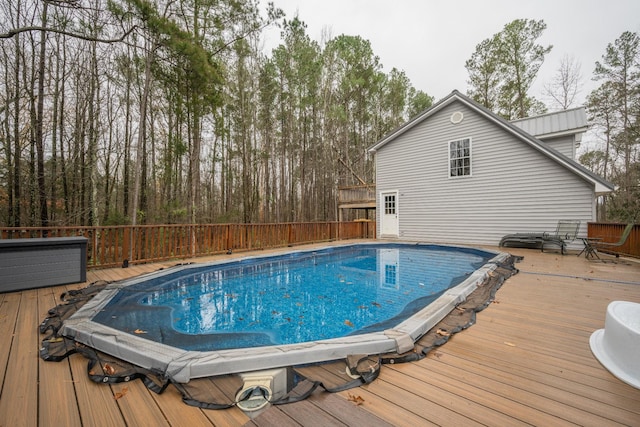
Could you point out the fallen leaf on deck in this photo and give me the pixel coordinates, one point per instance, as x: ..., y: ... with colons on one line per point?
x: 510, y: 344
x: 121, y: 394
x: 108, y: 369
x: 358, y: 400
x: 348, y: 323
x: 443, y: 333
x: 55, y: 339
x: 139, y: 331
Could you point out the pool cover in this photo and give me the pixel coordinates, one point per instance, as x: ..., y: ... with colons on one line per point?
x: 221, y: 391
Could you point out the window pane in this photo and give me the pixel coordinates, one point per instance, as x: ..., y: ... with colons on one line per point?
x: 460, y: 157
x: 390, y: 205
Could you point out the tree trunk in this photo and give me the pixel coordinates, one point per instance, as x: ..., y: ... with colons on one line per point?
x: 39, y: 136
x: 142, y: 135
x: 16, y: 211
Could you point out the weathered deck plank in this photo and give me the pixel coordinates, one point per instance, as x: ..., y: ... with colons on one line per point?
x: 532, y: 375
x: 96, y: 402
x: 9, y: 305
x: 344, y: 410
x: 137, y: 406
x: 56, y: 383
x: 526, y: 361
x: 418, y: 382
x: 412, y: 400
x: 19, y: 404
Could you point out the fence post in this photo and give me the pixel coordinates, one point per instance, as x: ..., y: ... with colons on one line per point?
x: 193, y: 240
x: 126, y: 244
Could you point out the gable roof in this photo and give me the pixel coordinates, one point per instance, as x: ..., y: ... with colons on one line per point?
x: 600, y: 185
x: 559, y: 123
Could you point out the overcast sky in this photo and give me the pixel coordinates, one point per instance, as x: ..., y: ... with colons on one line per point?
x: 431, y: 40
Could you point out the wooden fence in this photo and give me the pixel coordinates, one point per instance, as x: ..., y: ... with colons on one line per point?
x: 611, y: 232
x: 113, y: 246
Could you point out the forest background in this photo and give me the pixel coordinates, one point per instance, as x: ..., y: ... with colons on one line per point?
x: 131, y: 111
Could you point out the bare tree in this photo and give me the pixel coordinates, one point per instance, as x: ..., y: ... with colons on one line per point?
x: 566, y: 85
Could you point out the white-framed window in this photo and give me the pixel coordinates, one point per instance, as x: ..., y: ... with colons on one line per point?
x: 460, y: 158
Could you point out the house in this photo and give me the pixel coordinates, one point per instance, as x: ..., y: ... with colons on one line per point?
x: 561, y: 130
x: 458, y: 173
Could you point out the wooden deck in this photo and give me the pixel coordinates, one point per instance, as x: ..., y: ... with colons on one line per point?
x: 527, y: 361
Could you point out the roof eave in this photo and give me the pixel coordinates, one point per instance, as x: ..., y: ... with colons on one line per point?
x: 563, y: 133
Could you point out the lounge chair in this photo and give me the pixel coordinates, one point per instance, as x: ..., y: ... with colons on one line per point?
x: 566, y: 231
x: 592, y: 246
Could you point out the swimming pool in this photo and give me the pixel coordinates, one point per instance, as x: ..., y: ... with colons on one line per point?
x: 301, y: 307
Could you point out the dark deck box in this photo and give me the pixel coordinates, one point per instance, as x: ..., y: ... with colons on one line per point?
x: 36, y: 263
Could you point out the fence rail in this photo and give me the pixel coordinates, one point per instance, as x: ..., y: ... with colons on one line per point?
x: 112, y: 246
x: 611, y: 232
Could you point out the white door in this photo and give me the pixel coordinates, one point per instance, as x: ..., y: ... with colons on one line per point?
x: 389, y: 220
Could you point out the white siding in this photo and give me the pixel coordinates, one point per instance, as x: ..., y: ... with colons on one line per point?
x: 565, y: 145
x: 514, y: 188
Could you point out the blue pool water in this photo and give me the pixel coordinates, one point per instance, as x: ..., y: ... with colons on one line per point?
x: 293, y: 298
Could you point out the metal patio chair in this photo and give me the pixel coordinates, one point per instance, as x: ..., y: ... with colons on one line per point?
x: 566, y: 231
x: 593, y: 245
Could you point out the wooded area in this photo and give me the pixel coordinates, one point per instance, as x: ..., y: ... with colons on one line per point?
x: 184, y: 119
x: 139, y: 112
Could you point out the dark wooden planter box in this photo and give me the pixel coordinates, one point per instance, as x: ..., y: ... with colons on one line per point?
x: 36, y: 263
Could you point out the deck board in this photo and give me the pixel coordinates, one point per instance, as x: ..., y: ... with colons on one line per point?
x: 9, y: 305
x: 96, y: 402
x: 56, y: 383
x: 418, y: 382
x: 137, y: 406
x: 504, y: 409
x: 597, y: 398
x: 19, y: 406
x: 346, y: 411
x: 527, y: 360
x: 508, y: 384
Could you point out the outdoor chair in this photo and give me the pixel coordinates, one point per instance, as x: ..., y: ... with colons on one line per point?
x: 566, y: 231
x: 593, y: 245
